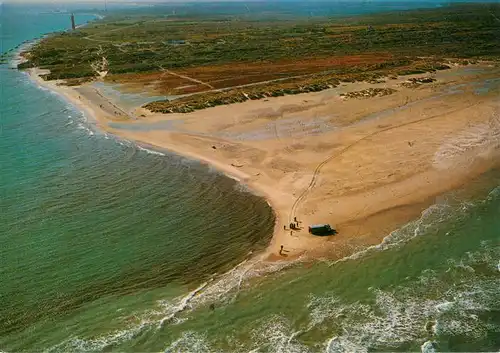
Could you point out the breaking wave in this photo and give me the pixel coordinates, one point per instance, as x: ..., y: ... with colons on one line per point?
x: 190, y: 342
x: 403, y: 316
x: 441, y: 212
x: 432, y: 216
x: 221, y: 289
x: 85, y: 128
x: 149, y: 151
x: 395, y: 319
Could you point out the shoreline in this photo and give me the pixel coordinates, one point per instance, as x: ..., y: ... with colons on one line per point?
x: 398, y: 210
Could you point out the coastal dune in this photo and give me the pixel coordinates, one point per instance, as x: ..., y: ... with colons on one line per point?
x: 364, y: 166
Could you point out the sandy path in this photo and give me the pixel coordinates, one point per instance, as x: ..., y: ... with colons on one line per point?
x: 187, y: 78
x: 111, y: 109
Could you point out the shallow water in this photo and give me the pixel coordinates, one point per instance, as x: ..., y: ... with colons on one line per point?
x: 124, y: 99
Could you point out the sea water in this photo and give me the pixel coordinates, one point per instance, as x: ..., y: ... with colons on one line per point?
x: 107, y: 246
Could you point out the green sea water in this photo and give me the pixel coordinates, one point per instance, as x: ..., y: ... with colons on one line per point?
x: 107, y: 246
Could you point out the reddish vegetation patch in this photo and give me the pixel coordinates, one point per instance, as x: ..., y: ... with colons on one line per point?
x: 247, y: 79
x: 158, y: 82
x: 192, y: 88
x: 237, y: 74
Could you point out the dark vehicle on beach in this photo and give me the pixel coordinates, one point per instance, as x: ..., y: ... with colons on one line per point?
x: 321, y: 229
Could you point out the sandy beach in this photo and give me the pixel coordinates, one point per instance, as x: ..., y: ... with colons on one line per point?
x: 365, y: 166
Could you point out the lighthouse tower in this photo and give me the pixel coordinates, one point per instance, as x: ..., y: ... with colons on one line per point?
x: 73, y: 22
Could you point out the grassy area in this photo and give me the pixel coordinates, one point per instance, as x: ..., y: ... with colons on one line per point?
x: 292, y: 51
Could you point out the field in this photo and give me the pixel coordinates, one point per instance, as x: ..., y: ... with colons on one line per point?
x: 274, y: 53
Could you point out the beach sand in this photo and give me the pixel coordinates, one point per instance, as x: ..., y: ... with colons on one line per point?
x: 365, y: 166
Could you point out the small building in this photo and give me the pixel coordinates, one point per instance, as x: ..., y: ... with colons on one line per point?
x: 321, y: 229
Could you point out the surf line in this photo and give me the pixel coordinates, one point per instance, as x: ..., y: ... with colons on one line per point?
x: 183, y: 304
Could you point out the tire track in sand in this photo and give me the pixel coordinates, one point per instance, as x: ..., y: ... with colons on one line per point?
x: 318, y: 168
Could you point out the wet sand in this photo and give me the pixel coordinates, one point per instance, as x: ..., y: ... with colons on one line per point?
x: 365, y: 166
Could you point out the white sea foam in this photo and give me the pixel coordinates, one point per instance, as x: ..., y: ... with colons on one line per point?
x: 276, y: 335
x: 190, y: 342
x: 393, y: 321
x: 401, y: 316
x: 340, y: 345
x: 99, y: 343
x: 156, y: 153
x: 431, y: 216
x: 122, y: 142
x: 183, y: 305
x: 225, y: 288
x: 481, y: 137
x: 167, y: 311
x: 428, y: 347
x: 434, y: 215
x: 445, y: 306
x: 222, y: 288
x: 82, y: 126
